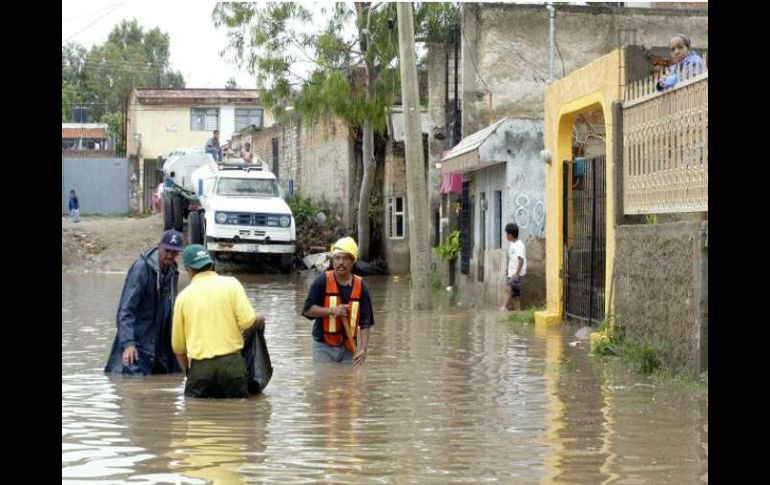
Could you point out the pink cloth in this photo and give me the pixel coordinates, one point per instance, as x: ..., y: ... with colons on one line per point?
x: 156, y: 204
x: 451, y: 182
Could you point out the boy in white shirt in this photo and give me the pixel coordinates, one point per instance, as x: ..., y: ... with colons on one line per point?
x: 517, y: 267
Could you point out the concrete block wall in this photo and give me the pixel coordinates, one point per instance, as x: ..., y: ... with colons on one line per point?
x: 660, y: 289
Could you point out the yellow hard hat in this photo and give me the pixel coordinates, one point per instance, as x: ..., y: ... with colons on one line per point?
x: 346, y: 245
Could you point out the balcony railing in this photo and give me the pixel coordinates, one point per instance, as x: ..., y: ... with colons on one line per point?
x: 665, y: 147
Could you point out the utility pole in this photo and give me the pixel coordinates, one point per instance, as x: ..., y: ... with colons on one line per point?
x: 416, y: 184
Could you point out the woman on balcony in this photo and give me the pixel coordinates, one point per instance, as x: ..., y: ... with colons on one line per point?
x: 686, y: 63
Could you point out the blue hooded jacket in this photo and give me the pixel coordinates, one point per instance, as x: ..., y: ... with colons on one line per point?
x: 144, y: 318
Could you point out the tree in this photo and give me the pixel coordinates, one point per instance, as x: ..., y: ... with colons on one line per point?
x: 231, y: 84
x: 353, y: 74
x: 101, y: 78
x: 116, y: 125
x: 72, y: 57
x: 67, y: 101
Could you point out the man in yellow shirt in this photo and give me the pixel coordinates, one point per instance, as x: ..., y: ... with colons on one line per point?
x: 209, y: 316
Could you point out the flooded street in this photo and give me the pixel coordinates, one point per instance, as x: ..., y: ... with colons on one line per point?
x: 450, y: 395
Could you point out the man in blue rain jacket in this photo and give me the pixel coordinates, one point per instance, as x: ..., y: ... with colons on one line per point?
x: 142, y: 345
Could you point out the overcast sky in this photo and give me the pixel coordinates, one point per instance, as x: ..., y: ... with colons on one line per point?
x: 195, y: 42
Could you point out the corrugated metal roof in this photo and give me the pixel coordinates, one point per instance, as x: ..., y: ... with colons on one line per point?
x: 466, y: 156
x: 472, y: 142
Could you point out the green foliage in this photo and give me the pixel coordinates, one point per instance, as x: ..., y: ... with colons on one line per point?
x: 523, y: 317
x: 354, y: 47
x: 305, y: 209
x: 68, y: 97
x: 451, y: 249
x: 642, y: 355
x: 438, y: 22
x: 115, y: 122
x: 612, y: 337
x: 376, y: 216
x: 353, y: 54
x: 102, y: 76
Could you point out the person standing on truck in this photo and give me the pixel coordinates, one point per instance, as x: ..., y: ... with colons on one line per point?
x: 209, y: 318
x: 213, y: 147
x: 142, y: 344
x: 340, y: 304
x: 168, y: 180
x: 246, y: 153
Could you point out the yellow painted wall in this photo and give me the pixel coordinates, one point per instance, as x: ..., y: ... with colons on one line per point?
x: 167, y: 127
x: 594, y: 86
x: 164, y: 128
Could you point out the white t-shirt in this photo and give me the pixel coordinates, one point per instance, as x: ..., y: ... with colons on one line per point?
x: 517, y: 250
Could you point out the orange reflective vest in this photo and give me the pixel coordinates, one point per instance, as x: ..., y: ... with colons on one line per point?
x: 333, y: 330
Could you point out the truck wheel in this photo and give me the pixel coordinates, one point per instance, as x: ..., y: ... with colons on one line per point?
x: 167, y: 215
x: 286, y: 262
x: 177, y: 208
x: 194, y: 228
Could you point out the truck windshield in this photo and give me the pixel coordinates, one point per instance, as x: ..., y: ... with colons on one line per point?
x: 248, y: 187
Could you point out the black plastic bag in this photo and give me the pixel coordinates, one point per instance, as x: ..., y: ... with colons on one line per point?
x: 257, y: 359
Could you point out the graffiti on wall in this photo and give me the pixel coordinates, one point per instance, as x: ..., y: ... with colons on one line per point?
x: 529, y: 216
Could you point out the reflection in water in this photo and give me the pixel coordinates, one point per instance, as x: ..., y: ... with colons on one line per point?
x: 450, y: 395
x: 221, y: 441
x: 106, y: 435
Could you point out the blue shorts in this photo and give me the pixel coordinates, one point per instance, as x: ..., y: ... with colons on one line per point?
x: 515, y: 286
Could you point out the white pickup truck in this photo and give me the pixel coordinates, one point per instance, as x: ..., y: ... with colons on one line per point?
x: 242, y: 211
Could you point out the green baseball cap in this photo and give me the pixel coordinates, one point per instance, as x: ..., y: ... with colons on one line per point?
x: 195, y: 256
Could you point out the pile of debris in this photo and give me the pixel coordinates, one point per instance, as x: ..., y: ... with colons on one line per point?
x: 322, y: 261
x: 79, y: 248
x: 313, y: 237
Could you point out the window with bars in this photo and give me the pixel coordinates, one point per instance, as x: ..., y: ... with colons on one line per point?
x: 248, y: 117
x: 396, y: 217
x: 204, y: 119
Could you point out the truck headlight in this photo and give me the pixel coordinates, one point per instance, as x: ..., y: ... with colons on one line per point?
x: 221, y: 217
x: 285, y: 221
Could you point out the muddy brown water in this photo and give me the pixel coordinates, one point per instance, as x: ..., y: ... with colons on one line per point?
x: 450, y: 395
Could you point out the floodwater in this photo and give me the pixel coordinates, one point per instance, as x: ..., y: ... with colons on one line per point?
x: 451, y: 395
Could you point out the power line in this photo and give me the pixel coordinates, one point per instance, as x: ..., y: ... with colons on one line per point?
x: 116, y: 67
x: 473, y: 62
x: 116, y: 64
x: 113, y: 61
x: 89, y: 25
x: 116, y: 70
x: 79, y: 17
